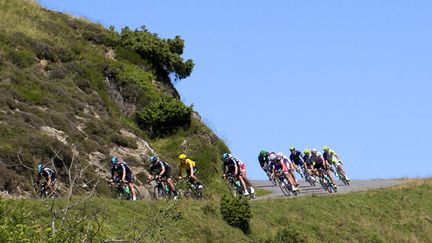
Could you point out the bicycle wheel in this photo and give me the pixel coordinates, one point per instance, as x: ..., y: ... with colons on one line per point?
x: 343, y: 177
x: 199, y: 192
x: 137, y: 193
x: 284, y: 189
x: 272, y: 179
x: 159, y: 193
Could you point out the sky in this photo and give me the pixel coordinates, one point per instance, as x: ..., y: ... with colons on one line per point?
x: 353, y: 75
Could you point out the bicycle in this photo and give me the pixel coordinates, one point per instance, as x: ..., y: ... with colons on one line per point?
x: 325, y: 182
x: 162, y: 189
x: 310, y: 179
x: 122, y: 191
x: 235, y: 187
x: 342, y: 176
x: 189, y: 188
x: 43, y: 191
x: 285, y: 186
x: 300, y: 172
x: 270, y: 175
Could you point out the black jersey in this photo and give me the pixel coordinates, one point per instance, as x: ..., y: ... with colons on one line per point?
x: 118, y: 169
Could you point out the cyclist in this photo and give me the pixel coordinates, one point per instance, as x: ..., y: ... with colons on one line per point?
x: 289, y: 165
x: 297, y: 159
x: 120, y: 171
x: 190, y: 167
x: 278, y: 164
x: 232, y: 167
x: 333, y: 159
x: 162, y: 169
x: 246, y: 180
x: 308, y: 163
x: 48, y: 174
x: 263, y: 160
x: 320, y: 163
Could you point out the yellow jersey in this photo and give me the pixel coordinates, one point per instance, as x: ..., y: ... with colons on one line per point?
x: 186, y: 165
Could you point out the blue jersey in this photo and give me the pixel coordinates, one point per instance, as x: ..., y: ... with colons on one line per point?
x: 297, y: 158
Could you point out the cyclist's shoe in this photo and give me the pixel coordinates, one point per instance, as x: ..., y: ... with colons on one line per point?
x: 175, y: 198
x: 200, y: 187
x: 134, y: 198
x: 346, y: 177
x: 294, y: 188
x: 246, y: 193
x: 252, y: 190
x: 334, y: 185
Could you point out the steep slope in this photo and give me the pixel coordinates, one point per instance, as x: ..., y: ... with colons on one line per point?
x: 400, y: 214
x: 75, y: 92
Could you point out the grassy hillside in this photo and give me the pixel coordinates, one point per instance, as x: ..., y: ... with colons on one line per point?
x: 400, y: 214
x: 75, y: 91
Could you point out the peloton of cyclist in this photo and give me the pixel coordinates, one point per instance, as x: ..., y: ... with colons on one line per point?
x: 120, y: 171
x: 320, y: 163
x: 232, y: 167
x: 48, y: 174
x: 278, y: 164
x: 161, y: 169
x: 188, y: 165
x: 333, y: 159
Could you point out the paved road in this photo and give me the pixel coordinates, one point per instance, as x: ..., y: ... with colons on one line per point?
x: 306, y: 189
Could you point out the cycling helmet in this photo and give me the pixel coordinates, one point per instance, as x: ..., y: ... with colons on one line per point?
x: 40, y: 166
x: 226, y: 156
x: 306, y: 151
x: 263, y: 153
x: 182, y: 156
x: 114, y: 160
x: 272, y: 156
x: 292, y: 148
x: 314, y: 150
x: 153, y: 159
x: 326, y: 148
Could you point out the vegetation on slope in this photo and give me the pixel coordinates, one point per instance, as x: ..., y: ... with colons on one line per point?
x: 400, y: 214
x: 73, y: 90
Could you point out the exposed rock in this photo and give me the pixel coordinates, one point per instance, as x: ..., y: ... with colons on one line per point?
x: 57, y: 134
x: 97, y: 159
x: 110, y: 54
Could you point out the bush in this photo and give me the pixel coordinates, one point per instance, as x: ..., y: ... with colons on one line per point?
x: 21, y: 58
x: 236, y: 212
x: 288, y: 235
x: 124, y: 141
x: 163, y: 54
x: 164, y: 117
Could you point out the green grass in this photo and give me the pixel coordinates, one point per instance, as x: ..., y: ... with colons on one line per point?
x: 400, y: 214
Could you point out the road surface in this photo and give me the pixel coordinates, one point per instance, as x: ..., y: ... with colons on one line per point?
x: 306, y: 189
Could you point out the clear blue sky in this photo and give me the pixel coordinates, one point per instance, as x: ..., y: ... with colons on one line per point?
x: 356, y: 76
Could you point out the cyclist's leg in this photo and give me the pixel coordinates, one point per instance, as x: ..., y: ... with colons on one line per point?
x: 130, y: 179
x: 168, y: 176
x: 247, y: 181
x: 291, y: 178
x: 339, y: 165
x: 327, y: 170
x: 240, y: 178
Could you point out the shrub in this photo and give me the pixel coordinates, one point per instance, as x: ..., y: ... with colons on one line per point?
x: 236, y: 212
x: 164, y: 117
x: 124, y: 141
x: 44, y: 51
x: 163, y: 54
x: 21, y: 58
x: 288, y: 235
